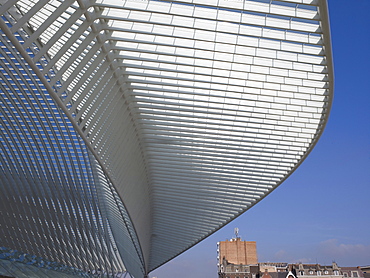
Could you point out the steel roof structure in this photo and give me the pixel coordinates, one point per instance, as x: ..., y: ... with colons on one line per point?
x: 131, y: 130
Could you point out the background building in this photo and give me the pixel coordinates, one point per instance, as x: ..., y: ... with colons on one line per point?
x: 238, y: 252
x: 316, y: 270
x: 273, y: 267
x: 353, y: 272
x: 365, y: 271
x: 238, y: 259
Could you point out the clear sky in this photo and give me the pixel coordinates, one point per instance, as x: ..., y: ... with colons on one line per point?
x: 321, y: 213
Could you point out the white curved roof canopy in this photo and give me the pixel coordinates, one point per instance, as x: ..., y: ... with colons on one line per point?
x: 188, y: 112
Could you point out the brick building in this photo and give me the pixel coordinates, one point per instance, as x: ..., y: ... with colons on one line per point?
x: 237, y: 259
x: 237, y: 251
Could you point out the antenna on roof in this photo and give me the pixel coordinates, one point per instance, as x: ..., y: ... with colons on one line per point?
x: 236, y: 232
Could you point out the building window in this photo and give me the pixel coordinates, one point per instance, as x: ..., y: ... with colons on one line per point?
x: 354, y: 274
x: 345, y: 274
x: 311, y: 272
x: 318, y: 273
x: 336, y: 272
x: 301, y: 273
x: 326, y: 272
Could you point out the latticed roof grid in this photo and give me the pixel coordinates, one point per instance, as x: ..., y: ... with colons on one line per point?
x: 194, y: 110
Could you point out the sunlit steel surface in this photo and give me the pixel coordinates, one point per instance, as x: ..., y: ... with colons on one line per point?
x: 131, y: 130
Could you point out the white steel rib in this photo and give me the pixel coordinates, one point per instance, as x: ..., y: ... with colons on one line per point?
x: 132, y: 130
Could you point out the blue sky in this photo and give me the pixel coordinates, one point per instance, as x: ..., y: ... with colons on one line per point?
x: 322, y: 211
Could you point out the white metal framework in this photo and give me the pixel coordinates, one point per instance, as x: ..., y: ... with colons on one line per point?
x: 131, y: 130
